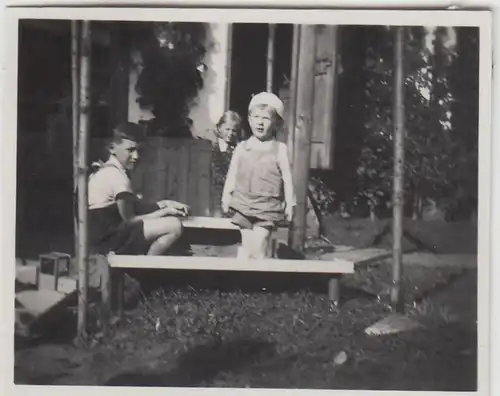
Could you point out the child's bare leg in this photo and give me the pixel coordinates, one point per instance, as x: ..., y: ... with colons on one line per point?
x: 162, y: 233
x: 261, y: 238
x: 246, y: 249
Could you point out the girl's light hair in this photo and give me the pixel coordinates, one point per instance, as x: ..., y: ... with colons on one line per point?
x: 229, y: 116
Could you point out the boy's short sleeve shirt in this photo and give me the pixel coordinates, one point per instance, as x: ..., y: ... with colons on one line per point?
x: 107, y: 184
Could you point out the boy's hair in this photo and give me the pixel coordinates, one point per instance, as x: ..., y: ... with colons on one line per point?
x: 267, y: 99
x: 128, y: 131
x: 278, y: 121
x: 229, y: 116
x: 263, y: 106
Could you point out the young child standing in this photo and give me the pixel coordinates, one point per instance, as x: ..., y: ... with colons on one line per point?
x: 119, y: 221
x: 227, y: 133
x: 258, y: 189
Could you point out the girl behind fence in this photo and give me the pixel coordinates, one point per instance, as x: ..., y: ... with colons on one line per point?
x: 227, y: 133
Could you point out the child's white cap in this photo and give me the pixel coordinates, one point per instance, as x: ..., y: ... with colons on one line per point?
x: 270, y: 99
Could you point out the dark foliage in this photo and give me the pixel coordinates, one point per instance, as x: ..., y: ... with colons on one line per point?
x: 441, y: 112
x: 171, y: 77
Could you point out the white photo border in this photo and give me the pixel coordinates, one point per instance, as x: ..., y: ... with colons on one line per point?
x: 480, y: 19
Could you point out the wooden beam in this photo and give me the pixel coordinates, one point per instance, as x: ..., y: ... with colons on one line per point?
x: 303, y: 132
x: 397, y: 300
x: 83, y: 140
x: 270, y: 56
x: 229, y: 63
x: 334, y: 266
x: 292, y: 102
x: 75, y: 56
x: 325, y: 77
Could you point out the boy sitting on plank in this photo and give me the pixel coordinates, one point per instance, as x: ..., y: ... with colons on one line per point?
x: 119, y: 222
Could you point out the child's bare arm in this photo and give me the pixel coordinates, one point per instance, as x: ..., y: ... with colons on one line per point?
x: 286, y: 172
x: 125, y: 203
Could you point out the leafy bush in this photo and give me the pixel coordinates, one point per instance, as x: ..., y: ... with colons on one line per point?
x: 172, y: 55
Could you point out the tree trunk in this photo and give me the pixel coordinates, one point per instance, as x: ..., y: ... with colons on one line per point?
x: 417, y: 204
x: 373, y: 216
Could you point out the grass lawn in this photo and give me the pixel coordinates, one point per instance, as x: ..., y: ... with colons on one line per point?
x: 256, y: 330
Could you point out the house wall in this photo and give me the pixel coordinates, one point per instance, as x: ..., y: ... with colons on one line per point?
x: 135, y: 113
x: 211, y: 102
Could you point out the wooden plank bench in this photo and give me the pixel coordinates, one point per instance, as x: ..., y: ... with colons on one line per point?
x: 224, y: 224
x: 112, y: 280
x: 115, y: 265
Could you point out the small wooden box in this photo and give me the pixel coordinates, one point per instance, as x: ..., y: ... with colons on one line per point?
x: 56, y: 264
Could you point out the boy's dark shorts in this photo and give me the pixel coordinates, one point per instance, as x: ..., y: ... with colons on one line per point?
x: 128, y: 238
x: 248, y: 222
x: 107, y: 233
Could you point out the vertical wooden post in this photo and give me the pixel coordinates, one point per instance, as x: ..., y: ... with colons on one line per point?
x: 270, y: 56
x: 83, y: 140
x: 102, y: 264
x: 229, y: 62
x: 292, y: 103
x: 75, y: 37
x: 334, y: 290
x: 303, y: 131
x: 398, y: 183
x: 119, y: 277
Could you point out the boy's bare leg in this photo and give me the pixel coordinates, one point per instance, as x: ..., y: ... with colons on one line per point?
x: 245, y: 250
x: 261, y: 238
x: 162, y: 233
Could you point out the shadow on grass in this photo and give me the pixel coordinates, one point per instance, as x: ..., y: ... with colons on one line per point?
x: 58, y: 328
x: 45, y: 379
x: 199, y: 365
x: 443, y: 285
x: 442, y: 358
x: 242, y: 282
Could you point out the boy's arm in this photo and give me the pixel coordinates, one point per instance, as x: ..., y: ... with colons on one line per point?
x: 126, y: 207
x: 286, y: 172
x: 143, y: 206
x: 230, y: 181
x: 174, y: 205
x: 119, y: 187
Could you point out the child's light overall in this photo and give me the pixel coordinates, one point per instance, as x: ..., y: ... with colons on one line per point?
x: 258, y: 191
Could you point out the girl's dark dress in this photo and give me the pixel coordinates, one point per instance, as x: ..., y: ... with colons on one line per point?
x: 220, y: 166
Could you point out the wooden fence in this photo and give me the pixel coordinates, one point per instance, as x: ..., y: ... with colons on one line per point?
x: 177, y: 169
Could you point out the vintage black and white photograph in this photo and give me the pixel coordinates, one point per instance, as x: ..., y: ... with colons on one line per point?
x: 256, y: 200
